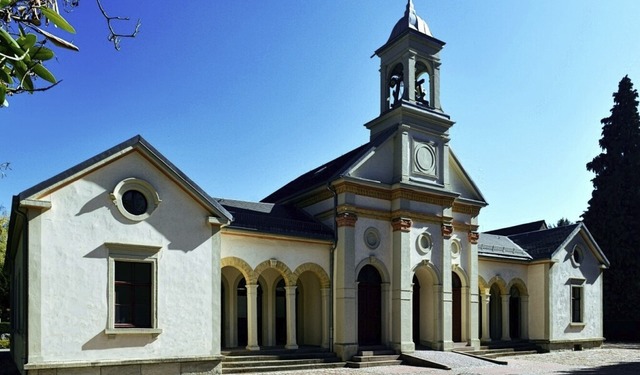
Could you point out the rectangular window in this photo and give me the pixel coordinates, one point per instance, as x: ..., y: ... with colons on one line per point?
x: 132, y: 289
x: 133, y: 294
x: 576, y: 304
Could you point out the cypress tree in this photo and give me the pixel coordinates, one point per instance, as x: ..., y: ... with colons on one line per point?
x: 613, y: 215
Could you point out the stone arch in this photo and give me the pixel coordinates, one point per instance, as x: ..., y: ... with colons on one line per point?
x: 499, y: 282
x: 242, y: 266
x: 482, y: 284
x: 431, y: 268
x: 462, y: 273
x: 519, y: 284
x: 288, y: 276
x: 378, y: 264
x: 325, y: 282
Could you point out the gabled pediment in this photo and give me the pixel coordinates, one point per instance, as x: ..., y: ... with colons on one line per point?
x: 134, y: 146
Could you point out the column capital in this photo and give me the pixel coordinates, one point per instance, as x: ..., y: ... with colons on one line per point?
x: 447, y: 230
x: 473, y: 237
x: 346, y: 219
x: 401, y: 224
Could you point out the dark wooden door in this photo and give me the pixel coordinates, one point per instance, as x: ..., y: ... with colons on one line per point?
x: 369, y: 306
x: 456, y: 289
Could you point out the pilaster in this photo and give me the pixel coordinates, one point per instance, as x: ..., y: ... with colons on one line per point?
x: 401, y: 289
x: 505, y: 317
x: 290, y: 297
x: 345, y: 308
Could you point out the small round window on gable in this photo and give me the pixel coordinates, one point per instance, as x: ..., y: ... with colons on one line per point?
x: 135, y: 199
x: 576, y: 256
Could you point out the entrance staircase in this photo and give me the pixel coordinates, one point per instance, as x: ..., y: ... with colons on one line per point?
x: 278, y: 359
x: 372, y: 356
x: 500, y: 349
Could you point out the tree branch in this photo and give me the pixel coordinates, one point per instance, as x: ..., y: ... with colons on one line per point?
x: 115, y: 37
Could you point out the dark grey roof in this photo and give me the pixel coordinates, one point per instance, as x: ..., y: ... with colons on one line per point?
x: 327, y: 172
x: 491, y: 245
x: 521, y: 228
x: 542, y: 244
x: 134, y: 142
x: 275, y: 219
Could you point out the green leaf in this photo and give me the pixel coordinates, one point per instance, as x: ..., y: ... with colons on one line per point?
x: 3, y: 93
x: 9, y: 41
x: 44, y: 73
x: 41, y: 53
x: 55, y: 40
x: 5, y: 76
x: 27, y: 41
x: 57, y: 19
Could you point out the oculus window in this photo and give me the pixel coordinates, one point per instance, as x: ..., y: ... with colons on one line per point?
x: 135, y: 199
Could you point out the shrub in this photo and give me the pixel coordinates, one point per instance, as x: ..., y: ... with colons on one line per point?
x: 4, y: 344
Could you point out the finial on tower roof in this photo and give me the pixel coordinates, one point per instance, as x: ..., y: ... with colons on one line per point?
x: 410, y: 20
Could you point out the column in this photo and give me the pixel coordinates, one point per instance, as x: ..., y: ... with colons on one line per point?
x: 401, y: 291
x: 446, y: 301
x: 524, y: 317
x: 252, y: 317
x: 345, y: 307
x: 325, y: 316
x: 505, y: 317
x: 485, y: 300
x: 291, y: 317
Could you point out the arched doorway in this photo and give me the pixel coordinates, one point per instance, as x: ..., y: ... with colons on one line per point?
x: 456, y: 291
x: 495, y: 313
x: 514, y: 313
x: 416, y: 310
x: 369, y: 306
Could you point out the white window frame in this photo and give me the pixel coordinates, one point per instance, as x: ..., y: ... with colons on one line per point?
x: 120, y: 252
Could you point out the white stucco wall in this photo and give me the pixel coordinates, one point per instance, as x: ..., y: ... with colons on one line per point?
x: 560, y: 274
x: 74, y: 274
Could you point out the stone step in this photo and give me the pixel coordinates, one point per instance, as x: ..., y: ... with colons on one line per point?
x: 268, y: 369
x: 374, y: 358
x: 269, y: 357
x: 278, y: 363
x: 353, y: 364
x: 512, y: 353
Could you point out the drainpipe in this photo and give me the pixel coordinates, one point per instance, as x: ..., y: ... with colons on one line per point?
x: 332, y: 260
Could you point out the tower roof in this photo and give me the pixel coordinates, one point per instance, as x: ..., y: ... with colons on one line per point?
x: 410, y: 20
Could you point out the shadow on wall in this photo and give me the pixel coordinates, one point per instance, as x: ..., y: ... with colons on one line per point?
x: 102, y: 341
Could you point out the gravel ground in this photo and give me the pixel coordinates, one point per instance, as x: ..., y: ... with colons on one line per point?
x: 611, y: 359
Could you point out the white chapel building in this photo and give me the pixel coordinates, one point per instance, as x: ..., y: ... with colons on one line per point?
x: 122, y: 260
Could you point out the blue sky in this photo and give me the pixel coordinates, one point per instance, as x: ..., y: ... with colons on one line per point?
x: 244, y: 96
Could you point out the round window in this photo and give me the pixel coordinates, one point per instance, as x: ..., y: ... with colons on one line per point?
x: 135, y: 199
x: 455, y: 250
x: 372, y: 238
x: 424, y: 243
x: 576, y: 256
x: 134, y: 202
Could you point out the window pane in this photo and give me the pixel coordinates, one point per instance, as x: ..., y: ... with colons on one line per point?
x: 142, y: 273
x: 123, y: 294
x: 123, y: 271
x: 142, y: 316
x: 123, y: 314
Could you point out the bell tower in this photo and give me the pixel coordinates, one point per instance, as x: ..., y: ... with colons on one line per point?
x: 410, y: 64
x: 410, y: 73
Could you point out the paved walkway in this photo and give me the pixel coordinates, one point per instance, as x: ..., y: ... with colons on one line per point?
x: 612, y: 359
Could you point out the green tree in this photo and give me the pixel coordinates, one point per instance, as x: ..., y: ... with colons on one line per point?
x: 29, y: 30
x: 561, y: 223
x: 4, y: 277
x: 613, y: 214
